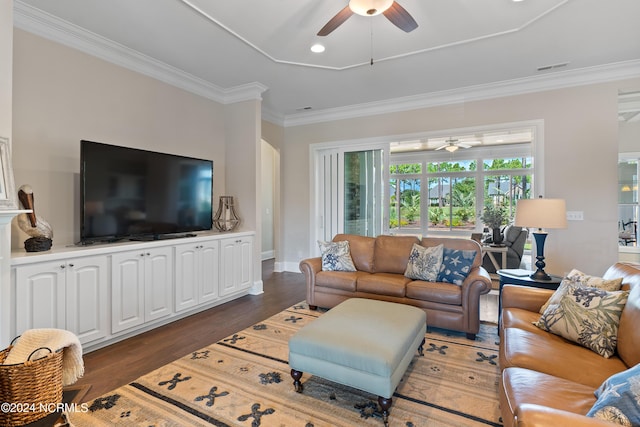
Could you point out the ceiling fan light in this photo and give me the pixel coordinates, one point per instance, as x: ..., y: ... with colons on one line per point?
x: 451, y: 148
x: 369, y: 7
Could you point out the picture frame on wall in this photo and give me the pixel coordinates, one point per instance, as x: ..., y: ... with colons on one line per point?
x: 8, y: 199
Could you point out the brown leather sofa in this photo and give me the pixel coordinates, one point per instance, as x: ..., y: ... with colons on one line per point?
x: 547, y: 380
x: 381, y: 263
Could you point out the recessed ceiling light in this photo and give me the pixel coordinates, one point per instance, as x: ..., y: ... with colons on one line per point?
x: 317, y: 48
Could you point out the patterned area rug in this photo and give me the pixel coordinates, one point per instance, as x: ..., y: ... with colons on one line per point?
x: 244, y: 380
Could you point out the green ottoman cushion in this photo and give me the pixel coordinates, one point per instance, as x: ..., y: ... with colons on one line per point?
x: 362, y: 343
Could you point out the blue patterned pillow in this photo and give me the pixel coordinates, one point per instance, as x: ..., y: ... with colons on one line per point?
x: 456, y: 265
x: 336, y: 256
x: 424, y: 263
x: 619, y: 398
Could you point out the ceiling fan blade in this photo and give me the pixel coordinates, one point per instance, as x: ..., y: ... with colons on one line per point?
x: 399, y: 16
x: 463, y: 145
x: 441, y: 147
x: 336, y: 21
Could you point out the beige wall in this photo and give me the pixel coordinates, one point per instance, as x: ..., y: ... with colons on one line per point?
x: 580, y: 158
x: 61, y: 95
x: 6, y: 65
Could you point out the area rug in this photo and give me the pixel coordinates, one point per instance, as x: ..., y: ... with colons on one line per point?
x: 244, y: 380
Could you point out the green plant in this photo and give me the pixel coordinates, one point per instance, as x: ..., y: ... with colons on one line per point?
x: 494, y: 216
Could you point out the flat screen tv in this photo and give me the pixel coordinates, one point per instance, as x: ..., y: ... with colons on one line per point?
x: 127, y: 193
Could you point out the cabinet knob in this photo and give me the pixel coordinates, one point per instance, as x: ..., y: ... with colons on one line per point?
x: 148, y: 254
x: 70, y: 265
x: 63, y: 266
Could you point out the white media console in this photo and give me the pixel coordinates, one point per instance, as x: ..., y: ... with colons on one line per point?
x: 106, y: 293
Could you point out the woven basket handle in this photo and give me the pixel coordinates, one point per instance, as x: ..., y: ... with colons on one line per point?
x: 38, y: 349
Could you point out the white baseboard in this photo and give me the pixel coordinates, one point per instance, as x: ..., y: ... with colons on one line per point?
x: 292, y: 267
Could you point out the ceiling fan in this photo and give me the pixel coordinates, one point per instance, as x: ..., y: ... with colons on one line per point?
x: 452, y: 145
x: 395, y: 13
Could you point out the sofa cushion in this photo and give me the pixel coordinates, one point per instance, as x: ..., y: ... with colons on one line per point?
x: 456, y: 265
x: 336, y: 256
x: 587, y: 316
x: 578, y: 278
x: 383, y: 284
x: 619, y: 398
x: 424, y: 263
x: 554, y: 355
x: 439, y: 292
x: 391, y: 253
x: 520, y: 386
x: 362, y: 248
x: 343, y: 280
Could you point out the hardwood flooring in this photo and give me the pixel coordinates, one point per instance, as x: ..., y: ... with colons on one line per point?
x: 123, y: 362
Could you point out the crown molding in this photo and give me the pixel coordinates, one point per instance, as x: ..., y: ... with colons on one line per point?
x: 36, y: 21
x: 557, y: 80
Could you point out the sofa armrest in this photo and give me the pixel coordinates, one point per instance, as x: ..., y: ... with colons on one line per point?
x: 524, y: 297
x: 530, y: 415
x: 478, y: 278
x: 310, y: 267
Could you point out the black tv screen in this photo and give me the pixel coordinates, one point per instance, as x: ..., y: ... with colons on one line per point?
x: 132, y: 193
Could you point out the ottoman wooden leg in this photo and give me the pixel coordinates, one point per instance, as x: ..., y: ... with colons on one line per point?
x: 297, y: 385
x: 421, y: 348
x: 385, y: 404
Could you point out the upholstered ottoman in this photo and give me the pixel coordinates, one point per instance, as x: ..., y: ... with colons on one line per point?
x: 362, y: 343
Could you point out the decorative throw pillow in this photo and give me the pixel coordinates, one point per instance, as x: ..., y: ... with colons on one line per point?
x: 336, y: 256
x: 578, y: 278
x: 619, y: 398
x: 586, y: 316
x: 424, y: 263
x: 456, y: 265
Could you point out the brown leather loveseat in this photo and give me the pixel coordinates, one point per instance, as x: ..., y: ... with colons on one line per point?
x: 548, y: 380
x: 381, y: 262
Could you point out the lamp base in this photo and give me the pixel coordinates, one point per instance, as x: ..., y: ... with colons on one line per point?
x: 540, y: 275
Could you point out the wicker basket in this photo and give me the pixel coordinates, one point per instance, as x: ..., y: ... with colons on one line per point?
x: 32, y: 386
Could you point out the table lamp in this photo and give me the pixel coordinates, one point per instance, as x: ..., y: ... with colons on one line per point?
x: 541, y: 213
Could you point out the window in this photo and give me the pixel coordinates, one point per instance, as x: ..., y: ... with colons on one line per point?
x: 443, y: 191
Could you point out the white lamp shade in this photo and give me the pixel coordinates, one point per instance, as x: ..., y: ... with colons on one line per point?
x: 541, y: 213
x: 369, y: 7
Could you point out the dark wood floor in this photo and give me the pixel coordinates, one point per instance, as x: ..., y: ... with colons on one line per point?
x: 123, y: 362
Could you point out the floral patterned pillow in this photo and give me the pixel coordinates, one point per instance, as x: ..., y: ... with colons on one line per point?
x: 578, y: 278
x: 336, y: 256
x: 456, y: 265
x: 619, y: 398
x: 424, y: 263
x: 586, y: 316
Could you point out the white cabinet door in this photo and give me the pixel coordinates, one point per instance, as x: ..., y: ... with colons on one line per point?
x: 236, y: 264
x: 158, y: 283
x: 209, y: 271
x: 187, y: 276
x: 69, y: 294
x: 40, y: 296
x: 87, y: 291
x: 141, y: 287
x: 127, y: 290
x: 196, y: 274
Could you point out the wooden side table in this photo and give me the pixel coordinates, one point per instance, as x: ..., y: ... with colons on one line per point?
x: 521, y: 277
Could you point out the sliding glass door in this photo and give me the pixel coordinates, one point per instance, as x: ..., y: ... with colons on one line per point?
x: 349, y: 193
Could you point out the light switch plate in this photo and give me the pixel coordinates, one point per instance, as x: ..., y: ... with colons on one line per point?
x: 575, y: 215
